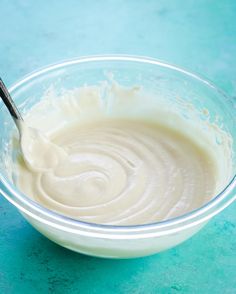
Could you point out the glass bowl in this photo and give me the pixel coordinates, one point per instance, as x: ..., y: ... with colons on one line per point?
x: 162, y: 80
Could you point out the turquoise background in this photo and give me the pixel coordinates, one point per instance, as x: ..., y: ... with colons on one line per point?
x: 199, y: 35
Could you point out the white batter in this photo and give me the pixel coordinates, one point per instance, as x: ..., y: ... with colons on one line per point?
x: 114, y: 170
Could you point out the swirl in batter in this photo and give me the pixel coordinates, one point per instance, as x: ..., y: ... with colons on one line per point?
x: 122, y: 172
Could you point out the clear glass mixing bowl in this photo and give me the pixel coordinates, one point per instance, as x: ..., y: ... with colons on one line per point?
x: 163, y: 80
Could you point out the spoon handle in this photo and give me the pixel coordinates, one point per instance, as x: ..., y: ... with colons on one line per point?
x: 6, y: 97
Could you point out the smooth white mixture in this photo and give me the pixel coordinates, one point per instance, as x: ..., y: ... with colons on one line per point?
x: 111, y: 169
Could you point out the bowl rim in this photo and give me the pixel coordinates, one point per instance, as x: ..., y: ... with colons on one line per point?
x: 38, y: 212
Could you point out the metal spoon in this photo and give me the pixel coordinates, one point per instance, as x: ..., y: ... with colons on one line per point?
x: 6, y: 97
x: 38, y: 151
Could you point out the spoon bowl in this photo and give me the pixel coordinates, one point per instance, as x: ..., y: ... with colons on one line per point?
x: 38, y: 151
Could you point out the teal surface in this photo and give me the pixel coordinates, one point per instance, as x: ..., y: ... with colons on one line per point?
x: 199, y: 35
